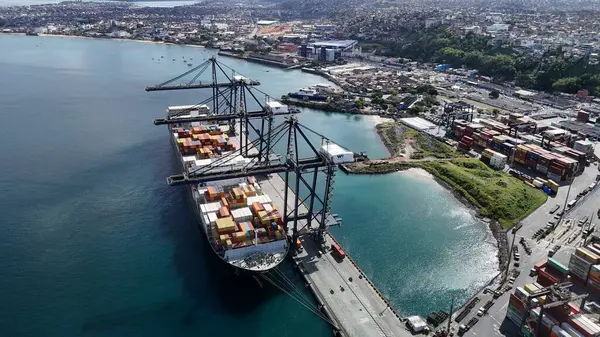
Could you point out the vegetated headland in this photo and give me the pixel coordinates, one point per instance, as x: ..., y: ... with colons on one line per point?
x: 495, y: 195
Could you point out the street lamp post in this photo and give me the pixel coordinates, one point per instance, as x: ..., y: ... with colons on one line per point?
x: 510, y: 250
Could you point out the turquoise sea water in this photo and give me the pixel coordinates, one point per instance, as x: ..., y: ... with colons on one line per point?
x: 95, y: 244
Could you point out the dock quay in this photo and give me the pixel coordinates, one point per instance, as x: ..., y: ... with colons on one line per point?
x: 360, y: 309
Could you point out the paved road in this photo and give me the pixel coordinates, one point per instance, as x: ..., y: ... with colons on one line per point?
x: 494, y: 323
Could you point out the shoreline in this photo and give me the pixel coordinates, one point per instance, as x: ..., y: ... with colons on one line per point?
x: 113, y: 39
x: 498, y: 232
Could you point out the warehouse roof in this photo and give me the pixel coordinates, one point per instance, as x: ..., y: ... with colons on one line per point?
x: 418, y: 123
x: 336, y: 43
x: 525, y: 93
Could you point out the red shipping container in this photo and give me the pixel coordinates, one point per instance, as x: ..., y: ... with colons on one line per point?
x: 541, y: 264
x: 517, y: 303
x: 574, y: 309
x: 542, y: 272
x: 544, y: 280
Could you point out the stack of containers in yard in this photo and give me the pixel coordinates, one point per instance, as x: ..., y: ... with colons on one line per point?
x: 516, y: 312
x: 521, y: 154
x: 552, y: 185
x: 584, y: 326
x: 593, y: 281
x: 532, y: 159
x: 486, y: 156
x: 571, y: 330
x: 459, y: 131
x: 548, y: 322
x: 583, y: 116
x: 546, y: 278
x: 581, y: 262
x: 543, y: 163
x: 541, y: 264
x: 498, y: 161
x: 467, y: 142
x: 477, y: 138
x: 574, y: 309
x: 557, y: 331
x: 507, y: 148
x: 559, y: 267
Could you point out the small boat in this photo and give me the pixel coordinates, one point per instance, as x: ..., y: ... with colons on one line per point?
x: 267, y: 70
x: 189, y: 64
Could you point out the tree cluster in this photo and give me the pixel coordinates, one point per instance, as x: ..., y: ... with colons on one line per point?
x: 551, y: 72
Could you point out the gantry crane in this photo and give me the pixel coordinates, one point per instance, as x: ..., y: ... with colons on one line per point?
x: 557, y: 295
x: 303, y: 202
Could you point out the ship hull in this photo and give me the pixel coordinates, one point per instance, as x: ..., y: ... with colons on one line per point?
x: 198, y: 219
x: 318, y: 98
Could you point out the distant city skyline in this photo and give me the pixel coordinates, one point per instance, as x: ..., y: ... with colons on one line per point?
x: 160, y: 3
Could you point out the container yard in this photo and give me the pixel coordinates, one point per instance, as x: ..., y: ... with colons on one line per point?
x: 555, y: 303
x: 554, y: 160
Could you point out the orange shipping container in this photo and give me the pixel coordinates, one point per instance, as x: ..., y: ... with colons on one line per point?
x: 224, y: 202
x: 223, y: 212
x: 257, y: 207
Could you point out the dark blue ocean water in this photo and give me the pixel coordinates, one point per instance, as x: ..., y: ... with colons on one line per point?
x: 94, y: 243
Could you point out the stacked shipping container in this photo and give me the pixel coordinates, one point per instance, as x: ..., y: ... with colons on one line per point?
x: 555, y: 165
x: 236, y: 224
x: 202, y: 140
x: 581, y: 263
x: 493, y: 159
x: 559, y: 321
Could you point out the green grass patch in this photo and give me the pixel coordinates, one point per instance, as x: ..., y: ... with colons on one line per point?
x: 394, y: 137
x: 496, y: 194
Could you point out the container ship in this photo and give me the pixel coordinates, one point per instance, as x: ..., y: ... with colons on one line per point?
x: 242, y: 225
x: 316, y: 92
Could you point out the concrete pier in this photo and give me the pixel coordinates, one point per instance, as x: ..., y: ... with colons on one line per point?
x: 360, y: 309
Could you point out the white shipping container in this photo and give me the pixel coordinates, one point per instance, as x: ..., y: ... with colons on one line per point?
x: 538, y: 183
x: 202, y: 162
x: 499, y: 155
x: 210, y: 207
x: 268, y: 207
x: 242, y: 214
x: 212, y: 218
x: 521, y: 293
x: 593, y: 326
x: 337, y: 154
x: 571, y: 330
x: 188, y: 158
x: 265, y: 199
